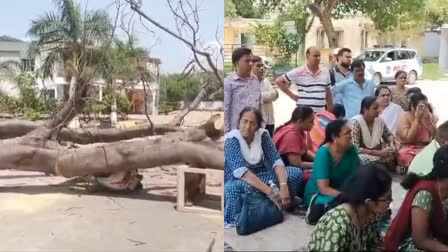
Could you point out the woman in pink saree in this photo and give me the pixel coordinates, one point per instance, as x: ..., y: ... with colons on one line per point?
x: 321, y: 119
x: 416, y: 128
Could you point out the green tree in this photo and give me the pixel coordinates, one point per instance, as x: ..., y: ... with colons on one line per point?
x: 119, y: 61
x: 30, y: 102
x: 248, y: 9
x: 303, y: 19
x: 277, y: 37
x: 436, y: 13
x: 384, y: 13
x: 66, y: 38
x: 229, y: 9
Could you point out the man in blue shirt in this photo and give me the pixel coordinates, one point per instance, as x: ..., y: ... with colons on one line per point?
x: 353, y: 89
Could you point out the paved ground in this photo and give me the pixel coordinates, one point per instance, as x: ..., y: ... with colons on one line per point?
x: 293, y: 234
x: 41, y: 213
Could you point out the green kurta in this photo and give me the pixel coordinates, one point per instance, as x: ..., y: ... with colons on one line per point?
x: 325, y: 167
x: 336, y: 232
x: 422, y: 199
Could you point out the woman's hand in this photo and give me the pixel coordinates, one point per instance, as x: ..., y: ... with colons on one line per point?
x: 275, y: 197
x: 384, y: 152
x: 284, y: 196
x: 420, y: 111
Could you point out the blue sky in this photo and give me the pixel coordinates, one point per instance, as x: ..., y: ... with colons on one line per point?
x: 16, y: 16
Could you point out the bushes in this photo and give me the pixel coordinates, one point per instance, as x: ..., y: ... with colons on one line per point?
x: 30, y: 103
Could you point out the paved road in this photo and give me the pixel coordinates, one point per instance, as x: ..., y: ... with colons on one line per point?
x: 293, y: 234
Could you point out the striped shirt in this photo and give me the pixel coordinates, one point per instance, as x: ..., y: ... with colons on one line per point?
x: 311, y: 87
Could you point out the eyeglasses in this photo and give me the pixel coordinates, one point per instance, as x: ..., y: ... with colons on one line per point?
x: 389, y: 200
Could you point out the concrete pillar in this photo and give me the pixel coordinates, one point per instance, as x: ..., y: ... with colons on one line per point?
x: 443, y: 52
x: 100, y: 92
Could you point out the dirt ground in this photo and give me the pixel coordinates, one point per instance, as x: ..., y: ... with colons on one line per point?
x: 44, y: 213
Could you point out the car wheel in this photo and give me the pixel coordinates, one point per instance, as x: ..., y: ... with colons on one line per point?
x: 376, y: 79
x: 412, y: 77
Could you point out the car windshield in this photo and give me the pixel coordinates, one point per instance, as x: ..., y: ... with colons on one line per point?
x: 371, y: 55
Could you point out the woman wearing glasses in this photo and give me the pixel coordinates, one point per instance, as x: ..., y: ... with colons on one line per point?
x: 354, y: 225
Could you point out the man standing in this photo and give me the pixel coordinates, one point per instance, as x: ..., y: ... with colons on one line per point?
x: 341, y: 70
x: 268, y: 93
x: 312, y: 80
x: 241, y: 89
x: 353, y: 89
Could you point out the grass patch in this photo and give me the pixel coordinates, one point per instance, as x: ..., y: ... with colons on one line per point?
x: 227, y: 67
x: 431, y: 72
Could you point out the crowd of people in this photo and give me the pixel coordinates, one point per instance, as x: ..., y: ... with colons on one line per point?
x: 333, y: 160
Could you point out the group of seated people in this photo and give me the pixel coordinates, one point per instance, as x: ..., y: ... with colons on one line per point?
x: 321, y: 158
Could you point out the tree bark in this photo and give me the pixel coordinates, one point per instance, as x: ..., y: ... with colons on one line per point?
x: 178, y: 119
x: 212, y: 129
x: 327, y: 24
x: 109, y: 158
x: 324, y: 15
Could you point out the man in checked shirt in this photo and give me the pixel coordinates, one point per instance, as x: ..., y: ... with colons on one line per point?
x: 241, y: 89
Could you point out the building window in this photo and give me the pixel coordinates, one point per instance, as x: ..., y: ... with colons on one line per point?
x: 322, y: 40
x: 27, y: 65
x: 247, y: 39
x: 49, y: 94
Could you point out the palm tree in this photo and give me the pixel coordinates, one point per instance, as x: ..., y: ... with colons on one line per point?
x: 66, y: 38
x: 121, y: 61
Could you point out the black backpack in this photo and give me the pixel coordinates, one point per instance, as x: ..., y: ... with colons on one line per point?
x: 332, y: 77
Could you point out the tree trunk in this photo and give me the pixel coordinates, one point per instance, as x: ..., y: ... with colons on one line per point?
x: 178, y: 119
x: 212, y: 129
x: 327, y: 24
x: 113, y: 107
x: 109, y: 158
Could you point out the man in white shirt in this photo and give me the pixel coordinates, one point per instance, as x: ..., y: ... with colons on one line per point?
x: 268, y: 93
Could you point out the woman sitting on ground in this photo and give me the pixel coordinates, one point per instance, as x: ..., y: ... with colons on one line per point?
x: 416, y: 90
x: 292, y: 141
x: 416, y: 128
x: 246, y: 152
x: 336, y: 161
x: 389, y: 111
x: 371, y: 136
x: 321, y: 119
x: 421, y: 223
x: 353, y: 225
x: 400, y: 92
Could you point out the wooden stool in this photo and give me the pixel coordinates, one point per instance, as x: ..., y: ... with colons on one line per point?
x: 188, y: 178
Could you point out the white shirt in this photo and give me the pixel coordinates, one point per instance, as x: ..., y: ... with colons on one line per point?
x: 390, y: 116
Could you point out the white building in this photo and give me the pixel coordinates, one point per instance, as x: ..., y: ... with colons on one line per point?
x: 12, y: 49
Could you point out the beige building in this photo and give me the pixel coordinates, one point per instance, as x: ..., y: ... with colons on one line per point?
x: 355, y: 32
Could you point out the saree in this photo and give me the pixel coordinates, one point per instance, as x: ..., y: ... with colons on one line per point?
x: 407, y: 152
x: 317, y: 133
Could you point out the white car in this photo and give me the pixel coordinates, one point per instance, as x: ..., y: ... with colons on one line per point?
x: 383, y: 63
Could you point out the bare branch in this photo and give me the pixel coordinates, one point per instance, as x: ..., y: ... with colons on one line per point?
x: 136, y: 7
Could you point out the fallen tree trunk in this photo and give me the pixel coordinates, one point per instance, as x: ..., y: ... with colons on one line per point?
x: 213, y: 129
x: 109, y: 158
x: 17, y: 128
